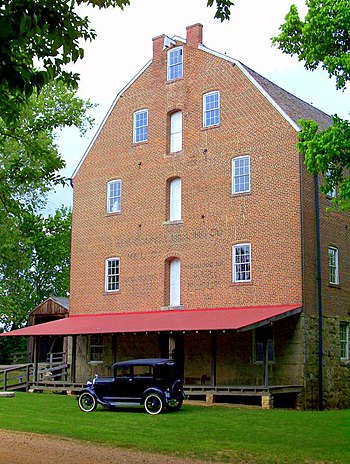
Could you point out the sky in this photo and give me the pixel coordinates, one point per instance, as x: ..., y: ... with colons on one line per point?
x: 124, y: 45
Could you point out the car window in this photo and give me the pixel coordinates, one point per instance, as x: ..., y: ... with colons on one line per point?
x: 143, y: 371
x: 123, y: 371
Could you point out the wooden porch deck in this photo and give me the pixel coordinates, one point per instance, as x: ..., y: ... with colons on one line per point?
x: 266, y: 397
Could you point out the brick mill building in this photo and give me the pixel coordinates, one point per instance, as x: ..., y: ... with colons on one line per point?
x: 197, y: 234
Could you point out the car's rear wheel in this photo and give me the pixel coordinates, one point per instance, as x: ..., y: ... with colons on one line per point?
x: 174, y: 404
x: 153, y: 404
x: 87, y: 402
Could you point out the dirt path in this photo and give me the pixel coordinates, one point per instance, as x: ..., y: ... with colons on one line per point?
x: 31, y: 448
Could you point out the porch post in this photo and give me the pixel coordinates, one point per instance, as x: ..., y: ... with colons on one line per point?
x: 35, y: 359
x: 74, y: 357
x: 266, y: 363
x: 114, y: 348
x: 213, y: 359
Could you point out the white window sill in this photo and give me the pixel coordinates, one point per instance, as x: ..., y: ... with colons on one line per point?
x: 165, y: 308
x: 173, y: 223
x: 94, y: 363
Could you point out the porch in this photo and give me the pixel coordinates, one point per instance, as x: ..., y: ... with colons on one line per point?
x: 250, y: 355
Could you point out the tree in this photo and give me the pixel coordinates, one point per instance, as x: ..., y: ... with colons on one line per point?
x: 36, y: 265
x: 323, y: 39
x: 34, y: 251
x: 39, y: 38
x: 29, y: 157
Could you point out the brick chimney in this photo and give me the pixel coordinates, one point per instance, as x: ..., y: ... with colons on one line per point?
x: 194, y: 35
x: 158, y: 43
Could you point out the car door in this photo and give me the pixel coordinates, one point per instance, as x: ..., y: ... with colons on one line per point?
x: 122, y: 384
x: 142, y: 379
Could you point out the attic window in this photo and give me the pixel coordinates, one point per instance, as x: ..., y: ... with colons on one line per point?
x: 175, y: 64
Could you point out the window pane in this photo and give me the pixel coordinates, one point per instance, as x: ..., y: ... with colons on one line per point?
x: 333, y: 266
x: 241, y: 174
x: 211, y: 109
x: 114, y: 196
x: 241, y: 263
x: 112, y: 275
x: 96, y: 348
x: 175, y: 64
x: 140, y: 126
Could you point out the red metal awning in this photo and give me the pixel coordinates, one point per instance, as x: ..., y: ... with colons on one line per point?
x: 238, y: 318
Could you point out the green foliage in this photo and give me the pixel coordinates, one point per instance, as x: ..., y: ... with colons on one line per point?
x: 218, y: 434
x: 34, y: 251
x: 29, y: 157
x: 328, y: 152
x: 321, y: 39
x: 38, y: 38
x: 9, y: 346
x: 34, y: 265
x: 223, y: 8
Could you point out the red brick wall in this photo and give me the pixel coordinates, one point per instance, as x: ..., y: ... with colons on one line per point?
x: 335, y: 231
x: 213, y: 218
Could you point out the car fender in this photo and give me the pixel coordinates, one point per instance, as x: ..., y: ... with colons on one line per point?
x: 90, y: 389
x: 153, y: 390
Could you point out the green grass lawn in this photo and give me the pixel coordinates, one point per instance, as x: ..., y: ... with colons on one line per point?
x: 219, y: 433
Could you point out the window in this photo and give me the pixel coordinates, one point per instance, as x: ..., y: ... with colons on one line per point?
x: 114, y: 193
x: 175, y: 199
x: 344, y: 340
x: 176, y: 132
x: 332, y: 193
x: 174, y: 282
x: 140, y: 126
x: 241, y: 174
x: 241, y: 262
x: 95, y: 348
x: 211, y: 109
x: 333, y: 258
x: 175, y: 64
x: 112, y: 275
x: 263, y: 344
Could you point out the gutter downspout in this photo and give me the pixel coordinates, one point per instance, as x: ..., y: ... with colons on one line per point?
x: 319, y: 295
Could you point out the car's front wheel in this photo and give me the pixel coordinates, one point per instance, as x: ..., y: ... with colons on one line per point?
x: 87, y: 402
x: 153, y: 404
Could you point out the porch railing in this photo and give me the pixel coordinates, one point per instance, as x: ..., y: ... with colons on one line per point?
x: 17, y: 377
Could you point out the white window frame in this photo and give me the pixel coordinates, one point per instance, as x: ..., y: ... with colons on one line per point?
x: 213, y: 113
x: 240, y: 173
x: 114, y: 200
x: 344, y: 340
x: 112, y: 280
x: 175, y: 199
x: 175, y: 282
x: 176, y: 132
x: 140, y: 126
x: 243, y: 267
x: 175, y: 61
x: 333, y: 265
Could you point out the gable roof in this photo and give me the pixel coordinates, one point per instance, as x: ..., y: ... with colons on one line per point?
x: 288, y: 105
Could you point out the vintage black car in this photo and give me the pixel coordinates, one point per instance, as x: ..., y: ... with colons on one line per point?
x: 153, y: 383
